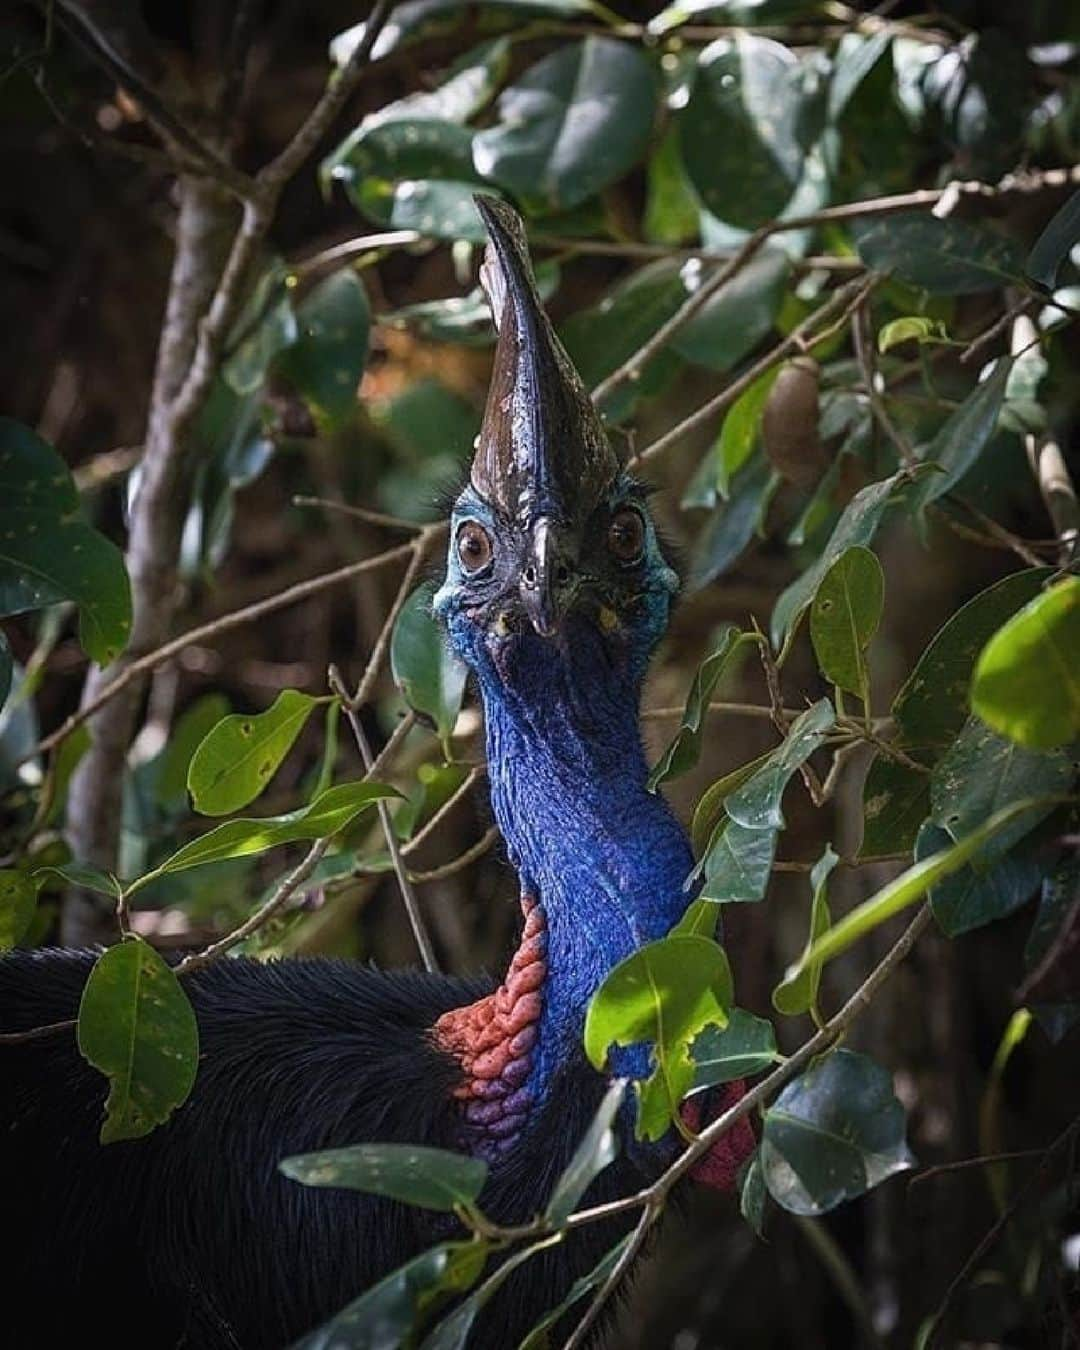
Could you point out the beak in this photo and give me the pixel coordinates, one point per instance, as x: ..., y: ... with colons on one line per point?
x: 542, y: 579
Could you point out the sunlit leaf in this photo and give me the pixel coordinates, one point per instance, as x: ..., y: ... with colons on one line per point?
x: 798, y: 993
x: 240, y: 755
x: 137, y: 1026
x: 188, y: 732
x: 833, y: 1134
x: 911, y: 328
x: 844, y: 616
x: 1027, y: 679
x: 430, y: 1178
x: 756, y: 804
x: 47, y: 551
x: 741, y: 430
x: 664, y: 993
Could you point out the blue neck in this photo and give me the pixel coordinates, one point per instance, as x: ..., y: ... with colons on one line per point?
x: 605, y: 858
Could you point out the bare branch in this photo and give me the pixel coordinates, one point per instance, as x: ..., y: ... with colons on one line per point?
x: 1049, y: 467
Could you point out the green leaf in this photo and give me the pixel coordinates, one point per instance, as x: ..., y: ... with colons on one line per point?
x: 137, y: 1026
x: 738, y: 316
x: 402, y: 146
x: 737, y: 863
x: 597, y: 1149
x: 909, y: 886
x: 86, y: 878
x: 429, y: 675
x: 464, y: 318
x: 671, y: 209
x: 664, y: 993
x: 833, y: 1134
x: 430, y: 1178
x: 981, y: 772
x: 858, y: 524
x: 573, y: 124
x: 981, y: 892
x: 854, y: 59
x: 1055, y: 913
x: 18, y: 900
x: 958, y: 444
x: 1027, y: 679
x: 441, y: 210
x: 710, y: 809
x: 66, y: 759
x: 746, y: 1046
x: 798, y: 993
x: 326, y: 815
x: 453, y: 1332
x: 756, y: 804
x: 685, y: 749
x: 731, y: 527
x: 911, y: 328
x: 752, y: 1196
x: 384, y: 1316
x: 740, y: 131
x: 741, y: 429
x: 896, y: 801
x: 240, y: 755
x: 327, y: 359
x: 188, y: 733
x: 7, y: 667
x: 946, y: 257
x: 48, y: 553
x: 844, y: 616
x: 1054, y: 244
x: 932, y: 705
x: 539, y: 1337
x: 266, y: 326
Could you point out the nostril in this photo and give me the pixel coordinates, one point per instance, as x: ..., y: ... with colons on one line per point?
x: 529, y: 575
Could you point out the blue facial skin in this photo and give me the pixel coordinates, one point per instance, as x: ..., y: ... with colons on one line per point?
x: 606, y: 858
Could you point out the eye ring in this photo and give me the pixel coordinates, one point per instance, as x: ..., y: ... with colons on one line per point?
x: 474, y: 546
x: 626, y: 536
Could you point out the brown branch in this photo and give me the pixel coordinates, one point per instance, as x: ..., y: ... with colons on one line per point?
x: 483, y: 845
x: 649, y: 1215
x: 863, y: 342
x: 736, y: 709
x: 362, y: 513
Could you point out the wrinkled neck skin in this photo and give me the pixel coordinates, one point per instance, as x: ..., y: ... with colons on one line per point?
x: 605, y: 859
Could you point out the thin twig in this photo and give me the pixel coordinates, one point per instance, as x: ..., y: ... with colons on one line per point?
x: 735, y: 709
x: 36, y: 1033
x: 362, y: 513
x: 864, y: 353
x: 382, y: 642
x: 354, y: 248
x: 214, y: 628
x: 408, y: 896
x: 465, y: 787
x: 483, y: 845
x: 649, y: 1214
x: 963, y: 1164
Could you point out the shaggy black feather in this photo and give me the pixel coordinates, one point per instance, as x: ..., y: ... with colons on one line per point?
x: 192, y: 1237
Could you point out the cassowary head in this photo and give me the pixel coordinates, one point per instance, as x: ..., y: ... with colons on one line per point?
x: 551, y: 541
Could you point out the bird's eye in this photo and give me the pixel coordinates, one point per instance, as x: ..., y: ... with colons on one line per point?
x: 473, y: 546
x: 626, y: 535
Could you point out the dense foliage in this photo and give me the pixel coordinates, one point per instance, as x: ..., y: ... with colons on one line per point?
x: 821, y: 271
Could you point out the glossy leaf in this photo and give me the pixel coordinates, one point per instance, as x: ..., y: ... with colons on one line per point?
x: 911, y: 328
x: 266, y: 326
x: 539, y: 1337
x: 745, y: 1047
x: 710, y: 807
x: 1026, y: 683
x: 756, y: 804
x: 325, y: 816
x: 384, y: 1316
x: 844, y: 616
x: 981, y: 772
x: 430, y: 1178
x: 137, y: 1026
x: 798, y: 993
x: 731, y: 526
x: 1054, y: 244
x: 857, y: 526
x: 741, y: 430
x: 855, y: 58
x: 597, y: 1149
x: 981, y: 892
x: 571, y: 125
x: 464, y: 318
x: 664, y: 993
x: 896, y: 801
x: 737, y: 863
x: 946, y: 257
x: 753, y: 1196
x: 742, y: 312
x: 740, y: 130
x: 327, y: 359
x: 441, y: 210
x: 932, y: 705
x: 18, y: 900
x: 429, y: 675
x: 960, y: 441
x: 685, y: 749
x: 188, y: 732
x: 47, y: 551
x: 833, y: 1134
x: 910, y: 886
x: 239, y: 756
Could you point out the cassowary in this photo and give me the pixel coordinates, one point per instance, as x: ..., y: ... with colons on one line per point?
x: 556, y: 591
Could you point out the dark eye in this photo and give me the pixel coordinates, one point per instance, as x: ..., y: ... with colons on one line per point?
x: 626, y: 535
x: 473, y: 546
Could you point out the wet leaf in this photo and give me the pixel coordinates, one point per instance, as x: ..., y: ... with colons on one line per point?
x: 833, y: 1134
x: 756, y: 804
x: 137, y: 1026
x: 737, y: 863
x: 430, y: 1178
